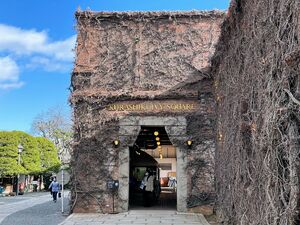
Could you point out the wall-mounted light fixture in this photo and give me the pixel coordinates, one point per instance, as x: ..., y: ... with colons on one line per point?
x: 116, y: 143
x: 157, y: 138
x: 189, y: 143
x: 158, y: 143
x: 156, y: 133
x: 220, y: 136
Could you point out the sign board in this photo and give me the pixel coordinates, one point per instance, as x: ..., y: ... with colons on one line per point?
x: 66, y: 177
x: 154, y: 106
x: 112, y: 184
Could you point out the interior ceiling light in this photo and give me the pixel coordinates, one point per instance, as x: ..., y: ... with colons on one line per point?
x: 157, y: 138
x: 156, y: 133
x: 158, y: 143
x: 159, y: 146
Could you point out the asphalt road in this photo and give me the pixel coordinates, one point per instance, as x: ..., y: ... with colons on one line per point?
x: 46, y: 213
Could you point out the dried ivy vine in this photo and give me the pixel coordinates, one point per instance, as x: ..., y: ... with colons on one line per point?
x: 155, y: 71
x: 257, y: 84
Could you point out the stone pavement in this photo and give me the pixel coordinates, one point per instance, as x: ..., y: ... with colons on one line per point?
x: 137, y: 217
x: 25, y: 208
x: 21, y: 204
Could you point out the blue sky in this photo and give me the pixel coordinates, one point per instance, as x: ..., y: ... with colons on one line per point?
x: 36, y: 57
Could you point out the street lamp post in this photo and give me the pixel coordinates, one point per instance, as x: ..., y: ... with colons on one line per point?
x: 20, y: 149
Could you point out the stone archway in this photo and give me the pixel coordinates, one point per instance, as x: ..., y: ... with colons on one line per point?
x: 128, y: 132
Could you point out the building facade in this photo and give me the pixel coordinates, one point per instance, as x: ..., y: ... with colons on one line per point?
x: 135, y: 74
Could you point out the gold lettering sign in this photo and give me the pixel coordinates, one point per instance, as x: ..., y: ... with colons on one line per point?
x: 152, y: 106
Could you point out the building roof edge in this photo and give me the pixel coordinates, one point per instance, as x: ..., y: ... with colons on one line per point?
x: 150, y: 14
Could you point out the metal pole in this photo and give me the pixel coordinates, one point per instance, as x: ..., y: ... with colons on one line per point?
x: 18, y: 176
x: 62, y: 191
x: 113, y: 195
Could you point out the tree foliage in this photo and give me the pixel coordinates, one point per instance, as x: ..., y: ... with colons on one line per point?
x: 48, y: 155
x: 38, y: 155
x: 9, y: 154
x: 30, y: 156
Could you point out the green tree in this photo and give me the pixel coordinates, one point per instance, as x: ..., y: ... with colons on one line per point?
x: 48, y: 154
x: 31, y: 154
x: 30, y: 162
x: 9, y: 154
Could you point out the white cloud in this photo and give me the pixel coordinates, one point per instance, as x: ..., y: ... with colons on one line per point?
x: 9, y: 70
x: 62, y: 50
x: 35, y: 50
x: 29, y: 42
x: 6, y: 86
x: 9, y: 74
x: 48, y: 64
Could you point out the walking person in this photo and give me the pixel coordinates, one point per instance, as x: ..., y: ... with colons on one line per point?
x: 147, y: 187
x: 54, y: 188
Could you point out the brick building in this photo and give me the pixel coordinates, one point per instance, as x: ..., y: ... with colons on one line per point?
x: 142, y: 91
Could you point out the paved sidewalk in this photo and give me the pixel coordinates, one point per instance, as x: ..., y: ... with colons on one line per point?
x: 11, y: 205
x: 11, y: 208
x: 137, y: 217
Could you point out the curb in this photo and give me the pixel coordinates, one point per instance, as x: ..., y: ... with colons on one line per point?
x: 199, y: 215
x: 67, y: 219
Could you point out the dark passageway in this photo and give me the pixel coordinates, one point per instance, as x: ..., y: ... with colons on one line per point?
x: 152, y: 164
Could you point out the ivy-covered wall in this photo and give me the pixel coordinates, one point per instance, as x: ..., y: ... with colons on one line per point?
x: 257, y: 87
x: 140, y: 57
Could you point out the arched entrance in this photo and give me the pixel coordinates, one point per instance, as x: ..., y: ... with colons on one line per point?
x: 130, y: 128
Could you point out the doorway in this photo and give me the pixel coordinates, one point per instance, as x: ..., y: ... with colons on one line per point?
x: 152, y: 180
x: 138, y: 133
